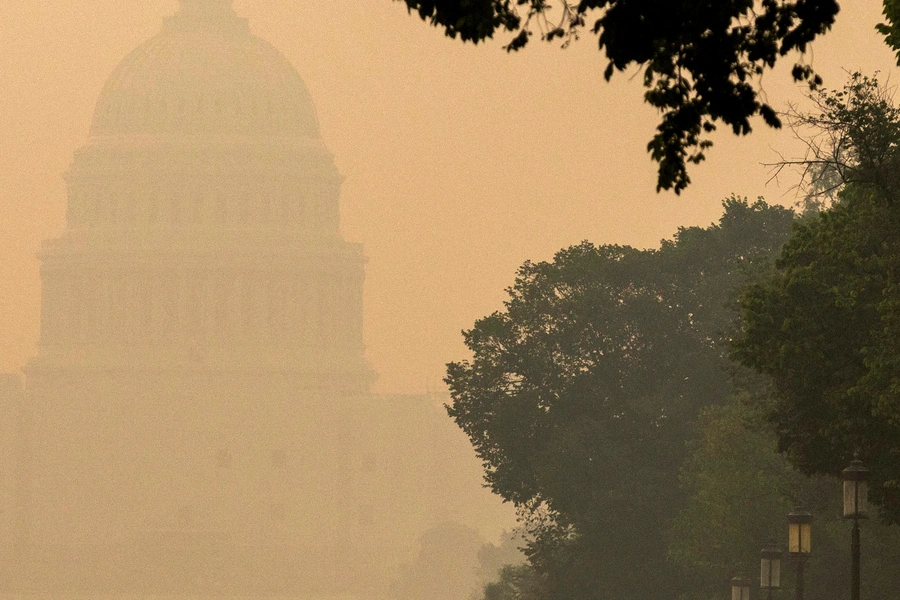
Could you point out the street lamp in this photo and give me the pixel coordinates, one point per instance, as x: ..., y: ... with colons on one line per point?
x: 770, y: 568
x: 740, y: 588
x: 856, y: 507
x: 799, y: 522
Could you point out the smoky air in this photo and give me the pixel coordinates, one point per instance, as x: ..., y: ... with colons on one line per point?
x: 304, y: 299
x: 199, y: 419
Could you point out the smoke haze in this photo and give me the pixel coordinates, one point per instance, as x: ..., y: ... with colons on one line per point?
x: 460, y: 162
x: 197, y: 417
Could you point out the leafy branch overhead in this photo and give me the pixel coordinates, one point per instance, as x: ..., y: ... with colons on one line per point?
x: 701, y: 59
x: 851, y: 138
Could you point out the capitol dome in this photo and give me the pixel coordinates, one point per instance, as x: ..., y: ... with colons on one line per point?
x: 205, y: 74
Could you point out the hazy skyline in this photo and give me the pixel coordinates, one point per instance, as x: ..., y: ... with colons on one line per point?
x: 198, y: 419
x: 460, y: 162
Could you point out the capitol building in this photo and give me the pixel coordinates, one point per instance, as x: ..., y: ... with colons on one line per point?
x: 198, y: 421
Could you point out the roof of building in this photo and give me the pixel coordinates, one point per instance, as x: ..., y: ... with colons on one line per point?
x: 205, y: 74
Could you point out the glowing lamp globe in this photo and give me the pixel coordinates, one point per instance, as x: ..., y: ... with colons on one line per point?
x: 799, y: 531
x: 856, y: 490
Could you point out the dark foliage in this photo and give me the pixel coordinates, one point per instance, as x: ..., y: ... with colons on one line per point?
x: 851, y: 138
x: 825, y: 330
x: 739, y: 492
x: 701, y: 59
x: 582, y: 393
x: 825, y: 327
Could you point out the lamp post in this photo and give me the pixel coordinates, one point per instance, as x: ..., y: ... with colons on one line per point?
x: 856, y: 507
x: 799, y: 522
x: 770, y: 568
x: 740, y: 588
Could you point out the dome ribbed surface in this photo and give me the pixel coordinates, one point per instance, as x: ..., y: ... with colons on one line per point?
x: 205, y: 74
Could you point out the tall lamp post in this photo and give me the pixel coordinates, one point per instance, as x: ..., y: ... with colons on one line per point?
x: 770, y: 568
x: 799, y: 522
x: 740, y: 588
x: 856, y: 507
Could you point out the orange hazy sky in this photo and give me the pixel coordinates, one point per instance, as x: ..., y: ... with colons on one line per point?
x: 461, y: 162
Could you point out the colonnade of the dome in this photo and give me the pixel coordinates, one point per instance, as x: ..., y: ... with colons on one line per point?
x: 199, y: 111
x: 220, y: 309
x: 179, y: 250
x: 286, y: 197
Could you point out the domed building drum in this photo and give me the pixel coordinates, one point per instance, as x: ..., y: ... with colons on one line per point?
x: 195, y: 413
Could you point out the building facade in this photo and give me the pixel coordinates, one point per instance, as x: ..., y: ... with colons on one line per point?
x: 198, y: 419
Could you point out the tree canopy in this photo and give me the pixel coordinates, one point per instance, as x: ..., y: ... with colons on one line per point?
x: 825, y: 327
x: 851, y: 137
x: 739, y: 491
x: 582, y: 393
x: 702, y: 60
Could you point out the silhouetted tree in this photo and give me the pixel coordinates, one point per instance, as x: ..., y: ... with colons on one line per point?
x: 825, y: 327
x: 582, y: 393
x: 701, y: 59
x: 493, y: 558
x: 739, y: 490
x: 851, y: 138
x: 515, y: 582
